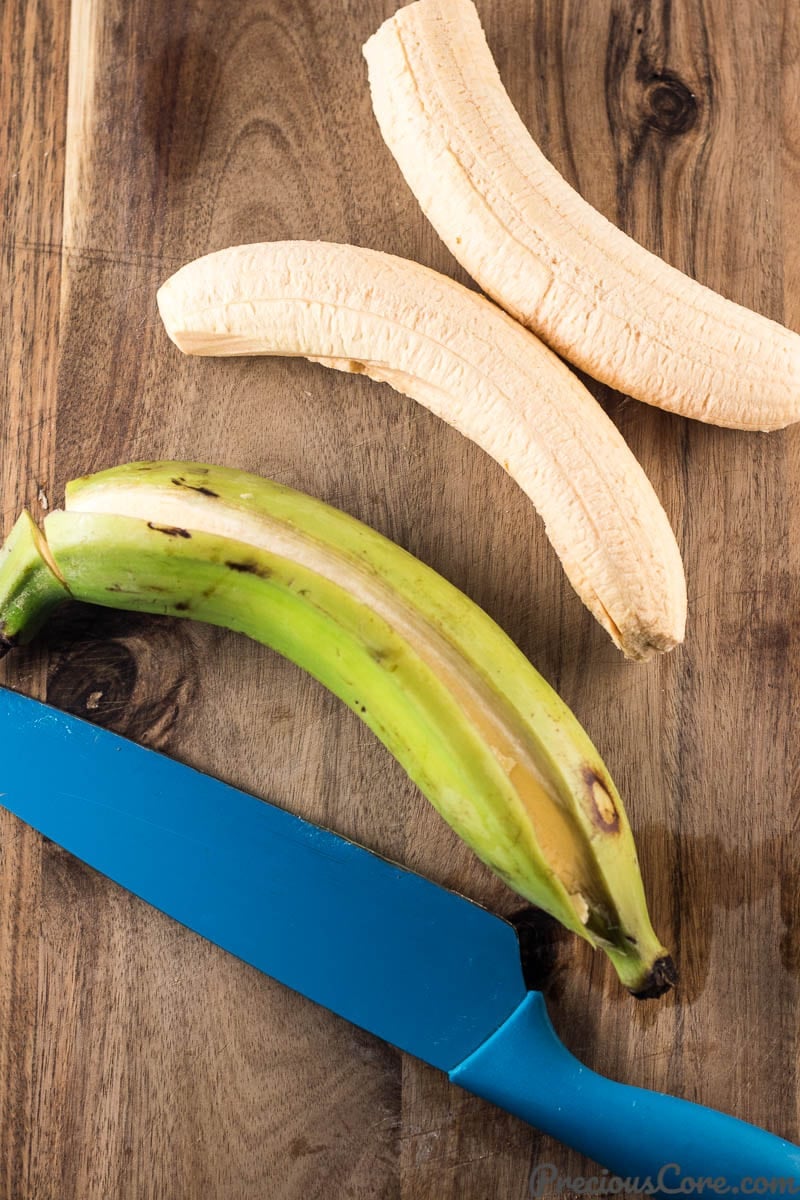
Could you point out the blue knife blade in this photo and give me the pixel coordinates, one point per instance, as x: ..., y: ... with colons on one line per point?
x: 421, y: 967
x: 365, y: 938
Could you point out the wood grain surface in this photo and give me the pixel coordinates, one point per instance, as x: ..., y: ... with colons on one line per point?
x: 137, y: 1061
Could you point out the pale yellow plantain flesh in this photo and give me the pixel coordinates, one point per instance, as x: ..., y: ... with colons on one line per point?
x: 540, y: 250
x: 470, y: 364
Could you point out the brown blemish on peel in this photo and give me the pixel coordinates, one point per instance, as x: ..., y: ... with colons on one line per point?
x: 249, y: 566
x: 182, y: 606
x: 384, y: 658
x: 169, y: 530
x: 601, y: 805
x: 192, y: 487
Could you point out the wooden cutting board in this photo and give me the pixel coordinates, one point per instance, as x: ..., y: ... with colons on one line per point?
x: 138, y: 1061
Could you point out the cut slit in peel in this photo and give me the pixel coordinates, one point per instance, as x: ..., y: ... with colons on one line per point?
x: 482, y: 734
x: 472, y: 365
x: 540, y: 250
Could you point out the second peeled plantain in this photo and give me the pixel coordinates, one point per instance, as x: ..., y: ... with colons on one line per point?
x: 468, y: 362
x: 482, y: 734
x: 542, y: 252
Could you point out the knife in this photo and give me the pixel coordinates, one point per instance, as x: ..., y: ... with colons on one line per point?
x: 419, y: 966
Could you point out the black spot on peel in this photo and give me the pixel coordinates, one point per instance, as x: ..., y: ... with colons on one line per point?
x: 601, y: 806
x: 169, y: 530
x: 249, y: 566
x: 182, y: 606
x: 192, y: 487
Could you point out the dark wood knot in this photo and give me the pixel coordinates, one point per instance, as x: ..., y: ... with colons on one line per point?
x: 670, y: 107
x: 96, y: 681
x: 126, y: 671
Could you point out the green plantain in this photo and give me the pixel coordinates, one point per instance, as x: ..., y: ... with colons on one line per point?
x: 481, y: 733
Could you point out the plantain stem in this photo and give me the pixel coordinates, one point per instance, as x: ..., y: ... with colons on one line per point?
x: 30, y: 584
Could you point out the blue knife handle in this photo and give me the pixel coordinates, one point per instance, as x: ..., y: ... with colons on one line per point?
x: 525, y: 1069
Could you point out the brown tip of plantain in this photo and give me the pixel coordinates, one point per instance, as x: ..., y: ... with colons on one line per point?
x: 662, y: 976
